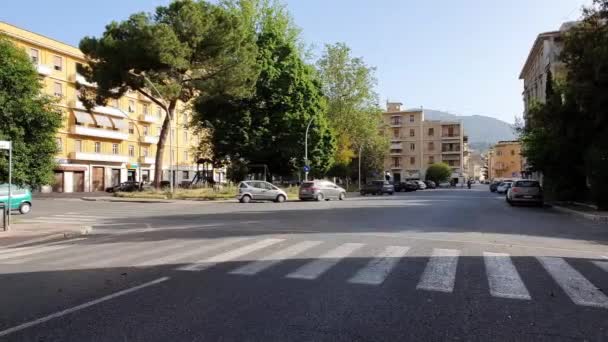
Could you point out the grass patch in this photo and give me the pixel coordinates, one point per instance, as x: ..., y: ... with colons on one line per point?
x: 206, y: 194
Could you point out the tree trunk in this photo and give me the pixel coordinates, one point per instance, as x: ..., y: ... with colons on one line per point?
x: 160, y: 147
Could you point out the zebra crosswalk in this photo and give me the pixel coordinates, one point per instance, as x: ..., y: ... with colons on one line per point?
x: 251, y: 256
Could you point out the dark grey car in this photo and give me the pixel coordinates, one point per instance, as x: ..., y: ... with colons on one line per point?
x: 321, y: 190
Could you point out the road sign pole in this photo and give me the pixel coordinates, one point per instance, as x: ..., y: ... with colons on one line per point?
x: 10, y: 181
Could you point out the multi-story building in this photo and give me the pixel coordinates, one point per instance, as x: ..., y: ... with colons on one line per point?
x: 505, y: 160
x: 416, y: 143
x: 543, y: 57
x: 112, y: 143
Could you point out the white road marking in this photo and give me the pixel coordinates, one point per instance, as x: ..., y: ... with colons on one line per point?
x: 440, y: 271
x: 124, y: 259
x: 81, y: 216
x: 230, y: 255
x: 503, y: 278
x: 52, y: 243
x: 380, y: 266
x: 602, y: 264
x: 80, y: 307
x: 94, y: 253
x: 275, y: 258
x: 326, y: 261
x: 201, y: 249
x: 577, y: 287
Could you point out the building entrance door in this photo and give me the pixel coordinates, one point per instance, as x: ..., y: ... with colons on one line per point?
x: 131, y: 175
x: 78, y: 181
x: 396, y: 177
x: 58, y: 184
x: 115, y: 177
x: 98, y: 183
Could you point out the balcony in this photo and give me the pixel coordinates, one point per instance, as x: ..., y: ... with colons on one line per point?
x: 450, y: 151
x: 99, y: 157
x: 99, y: 109
x: 396, y: 146
x: 148, y: 139
x: 43, y: 70
x: 396, y: 152
x: 147, y: 160
x: 450, y: 136
x: 147, y: 118
x: 83, y: 81
x: 98, y: 132
x: 396, y: 167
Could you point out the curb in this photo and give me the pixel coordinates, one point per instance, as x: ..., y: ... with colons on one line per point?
x: 84, y: 230
x: 588, y: 216
x: 118, y: 199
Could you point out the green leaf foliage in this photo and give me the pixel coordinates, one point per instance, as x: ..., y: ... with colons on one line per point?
x: 27, y: 118
x: 438, y: 173
x: 268, y: 127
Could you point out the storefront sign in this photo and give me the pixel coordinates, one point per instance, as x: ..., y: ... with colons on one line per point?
x: 132, y: 166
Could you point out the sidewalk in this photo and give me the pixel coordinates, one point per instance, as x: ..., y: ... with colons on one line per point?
x: 581, y: 211
x: 27, y: 233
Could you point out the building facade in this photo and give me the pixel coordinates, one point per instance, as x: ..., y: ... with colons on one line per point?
x: 543, y: 57
x: 416, y: 143
x: 505, y: 160
x: 112, y: 143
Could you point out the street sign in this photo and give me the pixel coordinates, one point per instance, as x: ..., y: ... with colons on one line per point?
x: 306, y: 168
x: 5, y: 145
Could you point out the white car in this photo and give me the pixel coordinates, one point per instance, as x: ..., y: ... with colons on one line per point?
x: 255, y: 190
x: 421, y: 185
x: 504, y: 187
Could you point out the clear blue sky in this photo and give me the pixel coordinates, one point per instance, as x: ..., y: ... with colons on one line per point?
x: 459, y: 56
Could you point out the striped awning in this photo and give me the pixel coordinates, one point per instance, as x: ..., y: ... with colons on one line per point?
x: 119, y: 123
x: 103, y: 121
x: 83, y: 117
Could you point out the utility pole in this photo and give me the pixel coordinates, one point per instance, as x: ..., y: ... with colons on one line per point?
x: 360, y: 149
x: 306, y: 150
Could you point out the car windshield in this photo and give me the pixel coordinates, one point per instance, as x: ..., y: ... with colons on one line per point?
x: 308, y: 185
x: 527, y: 184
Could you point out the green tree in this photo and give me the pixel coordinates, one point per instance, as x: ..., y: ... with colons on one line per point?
x: 268, y: 127
x: 185, y: 49
x: 348, y: 84
x: 27, y: 118
x: 438, y: 173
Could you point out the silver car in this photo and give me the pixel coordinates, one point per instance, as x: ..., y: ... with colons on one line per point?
x: 255, y: 190
x: 525, y: 191
x: 321, y: 190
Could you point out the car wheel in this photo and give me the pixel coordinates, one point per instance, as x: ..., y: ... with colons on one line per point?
x: 342, y: 196
x: 280, y: 199
x: 25, y: 208
x: 320, y: 197
x: 246, y: 199
x: 391, y: 193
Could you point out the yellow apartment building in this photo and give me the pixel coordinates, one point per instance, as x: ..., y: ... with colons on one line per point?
x: 505, y: 160
x: 416, y: 143
x: 112, y: 143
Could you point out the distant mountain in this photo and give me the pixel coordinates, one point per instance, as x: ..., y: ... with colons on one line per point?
x: 483, y: 131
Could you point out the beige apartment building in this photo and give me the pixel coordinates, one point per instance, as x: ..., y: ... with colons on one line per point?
x: 112, y: 143
x: 505, y: 160
x: 416, y: 143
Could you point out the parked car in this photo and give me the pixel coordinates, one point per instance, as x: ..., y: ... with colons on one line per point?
x: 321, y: 190
x: 494, y: 185
x: 430, y: 184
x: 129, y: 186
x: 421, y: 185
x: 407, y: 186
x: 444, y: 185
x: 503, y: 187
x: 378, y: 187
x: 21, y: 198
x: 256, y: 190
x: 525, y: 191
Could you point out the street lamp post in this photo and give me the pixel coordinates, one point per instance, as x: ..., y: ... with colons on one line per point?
x: 306, y: 149
x: 360, y: 150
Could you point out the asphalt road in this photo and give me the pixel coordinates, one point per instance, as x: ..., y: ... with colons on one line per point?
x: 427, y: 266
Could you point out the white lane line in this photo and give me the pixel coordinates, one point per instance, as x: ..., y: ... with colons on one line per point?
x: 80, y: 307
x: 80, y: 216
x: 201, y: 249
x: 326, y: 261
x: 376, y: 271
x: 230, y: 255
x: 52, y: 243
x: 503, y: 279
x: 440, y: 271
x: 577, y: 287
x: 145, y: 251
x: 602, y: 264
x: 275, y: 258
x: 93, y: 253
